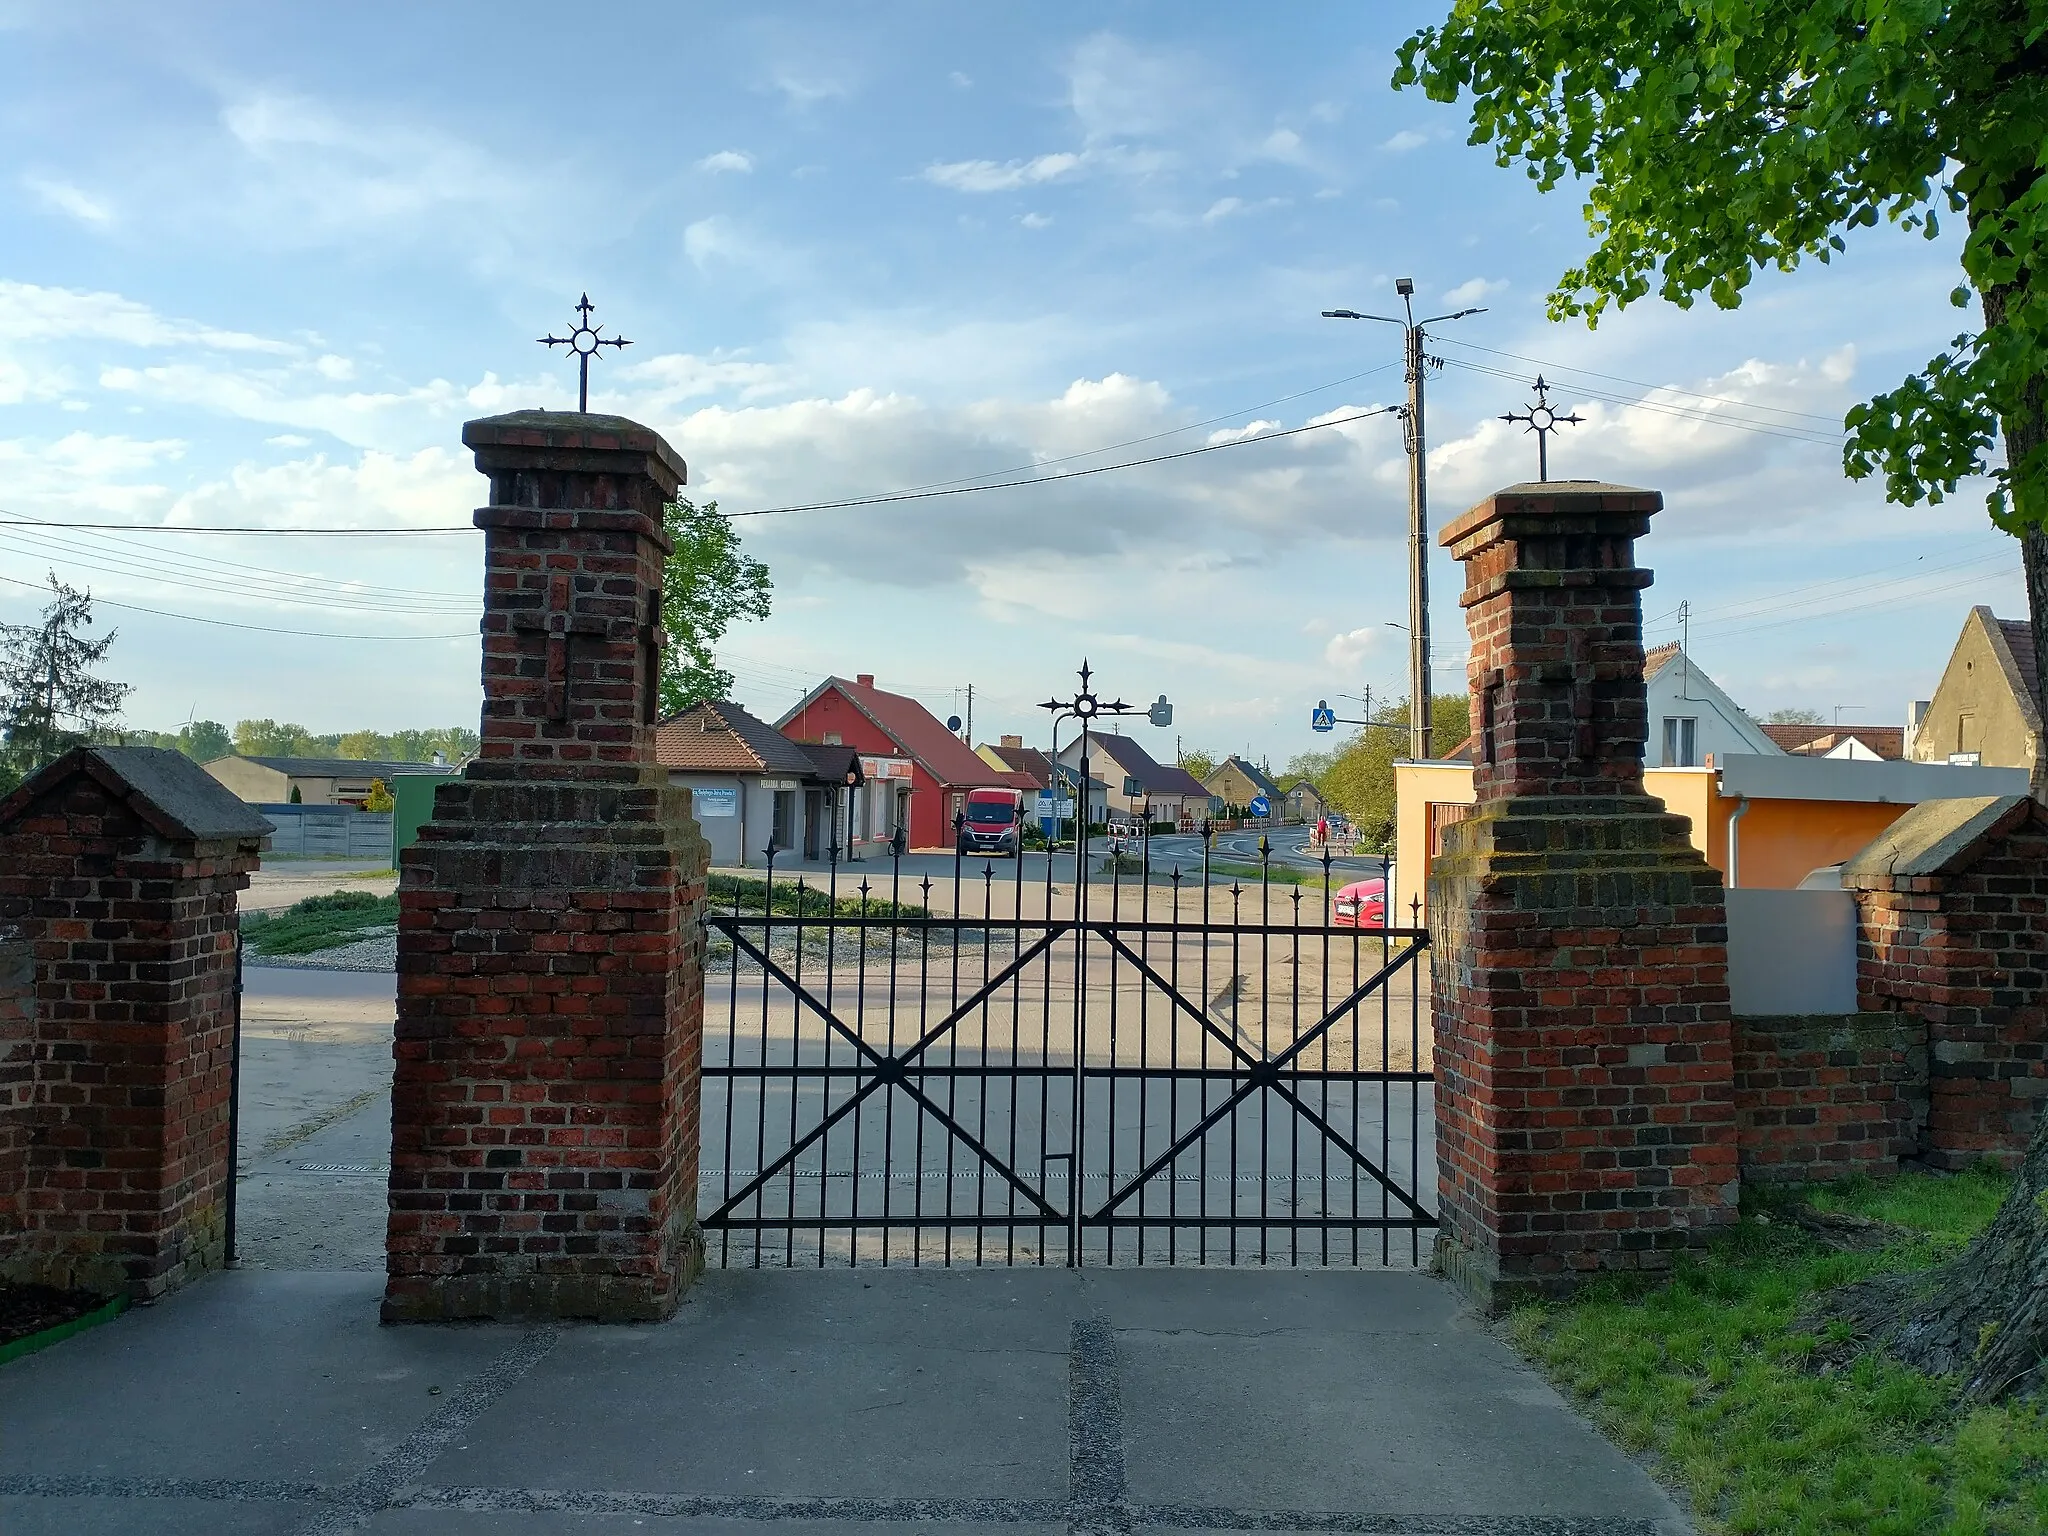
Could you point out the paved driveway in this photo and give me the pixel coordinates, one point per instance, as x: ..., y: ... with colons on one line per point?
x: 998, y: 1401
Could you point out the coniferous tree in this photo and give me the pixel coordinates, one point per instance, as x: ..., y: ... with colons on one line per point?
x: 51, y: 698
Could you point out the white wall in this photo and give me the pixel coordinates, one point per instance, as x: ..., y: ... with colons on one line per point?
x: 1682, y: 691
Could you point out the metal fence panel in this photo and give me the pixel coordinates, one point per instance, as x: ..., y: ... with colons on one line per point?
x: 1154, y: 1071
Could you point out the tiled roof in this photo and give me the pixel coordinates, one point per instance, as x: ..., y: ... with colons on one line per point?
x: 721, y: 737
x: 1136, y: 762
x: 1020, y: 780
x: 2019, y: 639
x: 1253, y: 772
x: 1657, y: 658
x: 336, y: 767
x: 833, y: 761
x: 1887, y: 741
x: 917, y: 731
x: 1028, y: 760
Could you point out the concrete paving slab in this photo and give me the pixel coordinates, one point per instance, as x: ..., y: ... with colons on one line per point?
x: 988, y: 1400
x: 1407, y: 1423
x: 147, y: 1517
x: 854, y: 1384
x: 653, y: 1518
x: 1251, y: 1302
x: 321, y: 1203
x: 245, y: 1375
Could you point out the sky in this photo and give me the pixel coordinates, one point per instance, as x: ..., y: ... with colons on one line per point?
x: 259, y: 263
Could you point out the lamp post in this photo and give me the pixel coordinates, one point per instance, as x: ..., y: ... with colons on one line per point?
x: 1413, y: 334
x: 1085, y: 706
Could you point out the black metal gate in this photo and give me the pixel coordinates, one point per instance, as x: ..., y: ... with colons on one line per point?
x: 1147, y: 1066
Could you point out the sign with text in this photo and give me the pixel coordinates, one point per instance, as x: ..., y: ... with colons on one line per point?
x: 712, y: 800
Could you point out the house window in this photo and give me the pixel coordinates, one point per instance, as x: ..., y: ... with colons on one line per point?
x: 1681, y: 741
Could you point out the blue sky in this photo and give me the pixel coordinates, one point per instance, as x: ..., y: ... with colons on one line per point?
x: 261, y: 262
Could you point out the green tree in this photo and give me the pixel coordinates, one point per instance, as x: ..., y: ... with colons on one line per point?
x: 51, y: 699
x: 271, y: 738
x: 1199, y: 763
x: 1312, y: 766
x: 1718, y: 137
x: 204, y: 740
x: 709, y: 582
x: 1795, y: 717
x: 1714, y: 138
x: 1360, y: 779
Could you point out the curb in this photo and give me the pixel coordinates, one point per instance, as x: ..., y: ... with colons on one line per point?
x: 35, y: 1341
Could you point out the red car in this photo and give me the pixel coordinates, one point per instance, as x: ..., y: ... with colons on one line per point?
x: 1361, y: 904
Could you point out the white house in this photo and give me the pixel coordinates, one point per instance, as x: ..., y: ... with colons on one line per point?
x: 1691, y: 719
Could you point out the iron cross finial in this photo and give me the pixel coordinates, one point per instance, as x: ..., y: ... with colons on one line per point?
x: 584, y: 341
x: 1543, y: 420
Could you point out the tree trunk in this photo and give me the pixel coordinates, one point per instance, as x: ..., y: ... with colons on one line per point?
x: 2025, y: 428
x: 2034, y: 559
x: 1982, y: 1316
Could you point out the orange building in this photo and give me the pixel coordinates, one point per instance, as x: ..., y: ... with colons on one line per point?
x: 1765, y: 822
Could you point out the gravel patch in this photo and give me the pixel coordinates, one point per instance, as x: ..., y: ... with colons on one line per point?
x: 377, y: 950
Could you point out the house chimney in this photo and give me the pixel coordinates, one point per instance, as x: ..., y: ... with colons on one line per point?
x: 1916, y: 716
x: 865, y: 679
x: 1013, y: 741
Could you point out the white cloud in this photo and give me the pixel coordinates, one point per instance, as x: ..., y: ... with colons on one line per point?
x: 1347, y: 652
x: 1001, y: 176
x: 806, y: 87
x: 1475, y: 290
x: 289, y: 440
x: 31, y: 313
x: 1223, y: 208
x: 1035, y: 220
x: 960, y: 81
x: 309, y: 172
x: 727, y: 160
x: 1284, y: 144
x: 68, y: 199
x: 337, y: 368
x: 1405, y: 140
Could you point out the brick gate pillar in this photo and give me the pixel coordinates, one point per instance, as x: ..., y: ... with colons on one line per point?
x: 550, y: 970
x: 1585, y: 1099
x: 119, y: 868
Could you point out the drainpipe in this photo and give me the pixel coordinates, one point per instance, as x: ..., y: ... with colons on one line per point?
x: 1735, y: 840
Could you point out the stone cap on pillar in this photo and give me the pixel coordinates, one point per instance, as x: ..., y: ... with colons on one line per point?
x: 1545, y: 511
x: 574, y: 461
x: 165, y: 790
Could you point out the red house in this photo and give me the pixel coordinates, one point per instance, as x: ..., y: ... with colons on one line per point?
x: 943, y: 768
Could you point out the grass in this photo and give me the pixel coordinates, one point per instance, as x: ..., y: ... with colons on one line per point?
x: 318, y: 922
x: 791, y: 899
x: 1277, y: 874
x: 1706, y: 1377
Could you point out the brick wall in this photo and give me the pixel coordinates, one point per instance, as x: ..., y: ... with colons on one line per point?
x: 1953, y: 932
x: 132, y: 932
x: 1585, y: 1116
x: 1820, y: 1098
x: 17, y: 1084
x: 550, y: 976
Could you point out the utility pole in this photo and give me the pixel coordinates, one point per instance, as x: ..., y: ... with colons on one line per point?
x: 1417, y: 361
x: 969, y: 736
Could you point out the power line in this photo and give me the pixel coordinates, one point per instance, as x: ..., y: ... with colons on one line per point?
x: 811, y: 506
x: 266, y: 629
x: 1640, y: 384
x: 1075, y: 474
x: 1682, y: 413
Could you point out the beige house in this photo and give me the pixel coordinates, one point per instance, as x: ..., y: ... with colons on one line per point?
x: 318, y: 780
x: 1987, y: 707
x: 1237, y: 782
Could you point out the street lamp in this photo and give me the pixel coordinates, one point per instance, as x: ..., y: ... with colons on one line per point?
x: 1412, y: 331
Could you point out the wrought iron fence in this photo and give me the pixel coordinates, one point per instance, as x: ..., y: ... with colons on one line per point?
x: 1144, y: 1065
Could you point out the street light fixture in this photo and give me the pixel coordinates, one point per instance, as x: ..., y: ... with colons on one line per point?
x: 1413, y: 331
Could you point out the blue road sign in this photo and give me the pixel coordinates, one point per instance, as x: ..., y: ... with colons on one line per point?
x: 1322, y: 718
x: 1260, y: 806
